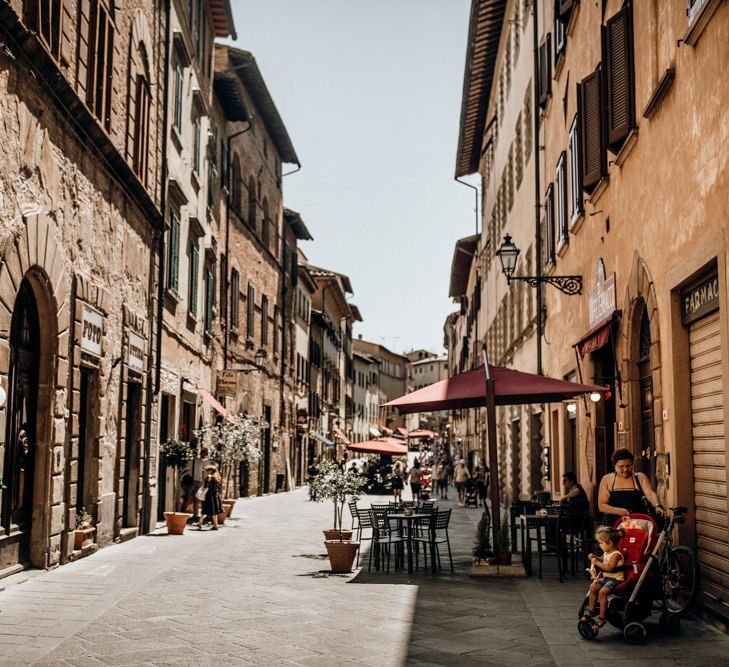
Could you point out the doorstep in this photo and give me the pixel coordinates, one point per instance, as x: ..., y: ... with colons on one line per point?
x: 89, y: 549
x: 128, y: 533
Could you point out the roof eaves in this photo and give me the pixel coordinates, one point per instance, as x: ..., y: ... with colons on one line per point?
x: 297, y: 225
x: 463, y: 255
x: 223, y: 23
x: 484, y: 34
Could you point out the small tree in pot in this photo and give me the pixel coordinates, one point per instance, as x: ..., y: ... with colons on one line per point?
x: 337, y: 484
x: 230, y: 442
x: 177, y: 455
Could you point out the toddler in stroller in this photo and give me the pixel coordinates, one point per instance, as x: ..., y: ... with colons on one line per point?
x: 639, y: 570
x: 471, y: 497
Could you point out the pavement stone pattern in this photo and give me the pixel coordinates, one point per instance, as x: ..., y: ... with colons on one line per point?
x: 257, y: 592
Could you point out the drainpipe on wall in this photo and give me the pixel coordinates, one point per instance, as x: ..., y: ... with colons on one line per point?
x: 537, y: 188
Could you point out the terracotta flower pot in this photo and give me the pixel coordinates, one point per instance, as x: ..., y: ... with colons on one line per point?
x: 221, y: 517
x: 341, y: 554
x: 334, y: 534
x: 176, y: 522
x: 228, y: 506
x: 83, y: 537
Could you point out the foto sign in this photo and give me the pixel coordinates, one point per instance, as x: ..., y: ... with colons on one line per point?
x: 92, y: 327
x: 136, y: 352
x: 227, y: 383
x: 601, y: 304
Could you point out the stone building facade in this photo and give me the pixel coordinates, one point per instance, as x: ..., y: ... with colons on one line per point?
x: 81, y: 218
x: 650, y: 245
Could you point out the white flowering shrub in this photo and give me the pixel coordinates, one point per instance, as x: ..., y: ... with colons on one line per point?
x: 333, y: 483
x: 229, y: 443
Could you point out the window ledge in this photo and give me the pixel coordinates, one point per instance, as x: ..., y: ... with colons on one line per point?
x: 559, y: 63
x: 176, y: 138
x: 172, y: 295
x: 627, y: 146
x: 562, y: 247
x: 700, y: 21
x: 195, y: 180
x: 576, y: 222
x: 549, y: 269
x: 599, y: 189
x: 659, y: 94
x: 570, y: 27
x: 191, y: 321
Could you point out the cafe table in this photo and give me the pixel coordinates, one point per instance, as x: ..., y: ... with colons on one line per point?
x: 529, y: 522
x: 409, y: 520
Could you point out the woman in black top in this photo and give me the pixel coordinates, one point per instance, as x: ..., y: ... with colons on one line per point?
x: 624, y: 491
x: 211, y: 504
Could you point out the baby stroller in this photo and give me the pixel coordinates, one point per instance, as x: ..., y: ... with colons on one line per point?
x: 471, y: 499
x: 658, y: 577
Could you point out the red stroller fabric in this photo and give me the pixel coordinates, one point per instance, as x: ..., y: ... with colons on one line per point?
x: 640, y: 535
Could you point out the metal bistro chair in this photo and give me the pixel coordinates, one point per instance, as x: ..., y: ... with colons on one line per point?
x: 517, y: 509
x: 560, y: 542
x: 353, y: 511
x: 439, y: 522
x: 383, y: 539
x: 364, y: 522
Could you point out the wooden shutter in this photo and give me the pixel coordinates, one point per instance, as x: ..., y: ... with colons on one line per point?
x: 549, y: 221
x: 619, y: 77
x: 173, y: 273
x: 193, y: 289
x: 594, y: 160
x: 565, y: 8
x: 545, y: 70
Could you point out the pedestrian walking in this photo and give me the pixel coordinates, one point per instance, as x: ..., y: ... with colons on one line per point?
x: 311, y: 472
x: 461, y: 476
x: 398, y: 484
x: 210, y: 492
x: 416, y: 480
x: 482, y: 485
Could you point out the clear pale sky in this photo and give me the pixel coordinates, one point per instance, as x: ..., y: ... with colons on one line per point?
x: 370, y: 92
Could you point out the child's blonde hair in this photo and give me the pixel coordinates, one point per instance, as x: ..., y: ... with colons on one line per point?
x: 608, y: 534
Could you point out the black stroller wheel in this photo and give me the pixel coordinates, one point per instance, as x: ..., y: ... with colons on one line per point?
x: 680, y: 580
x: 634, y: 633
x: 586, y: 629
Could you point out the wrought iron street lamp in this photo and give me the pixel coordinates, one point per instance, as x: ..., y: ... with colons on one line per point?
x: 257, y: 364
x: 508, y: 253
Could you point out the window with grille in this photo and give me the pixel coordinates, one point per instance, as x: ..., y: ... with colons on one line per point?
x: 250, y: 311
x: 46, y: 18
x: 141, y: 129
x: 101, y: 56
x: 192, y: 287
x: 173, y: 256
x: 576, y: 206
x: 234, y: 298
x: 549, y: 223
x: 561, y: 200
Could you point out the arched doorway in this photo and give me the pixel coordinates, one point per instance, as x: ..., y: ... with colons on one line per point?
x: 21, y: 439
x: 645, y: 395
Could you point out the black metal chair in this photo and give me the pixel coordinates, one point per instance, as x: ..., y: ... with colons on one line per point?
x: 383, y: 539
x: 437, y: 534
x: 353, y: 511
x: 560, y: 542
x: 517, y: 509
x: 364, y: 522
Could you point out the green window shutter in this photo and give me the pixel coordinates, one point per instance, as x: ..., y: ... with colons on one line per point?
x: 209, y: 298
x: 193, y: 288
x: 174, y: 254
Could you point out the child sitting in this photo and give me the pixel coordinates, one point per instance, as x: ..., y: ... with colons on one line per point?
x: 608, y: 572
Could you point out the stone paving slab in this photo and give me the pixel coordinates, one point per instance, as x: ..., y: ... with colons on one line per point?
x: 257, y: 592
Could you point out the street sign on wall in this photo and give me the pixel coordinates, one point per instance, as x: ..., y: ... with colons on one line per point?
x: 227, y: 383
x: 601, y: 304
x: 92, y: 326
x: 136, y: 352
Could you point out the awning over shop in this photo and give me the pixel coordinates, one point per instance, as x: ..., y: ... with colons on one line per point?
x: 594, y: 339
x: 422, y: 433
x: 388, y: 446
x: 402, y: 431
x: 342, y: 435
x: 207, y: 396
x: 321, y: 438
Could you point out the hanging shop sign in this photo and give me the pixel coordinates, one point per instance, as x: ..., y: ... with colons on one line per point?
x: 700, y: 299
x: 601, y: 302
x: 227, y: 383
x: 92, y: 327
x: 136, y: 352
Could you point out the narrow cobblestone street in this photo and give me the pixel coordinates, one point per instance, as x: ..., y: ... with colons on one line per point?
x: 256, y: 592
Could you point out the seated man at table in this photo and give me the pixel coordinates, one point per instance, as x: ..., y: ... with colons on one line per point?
x: 574, y: 495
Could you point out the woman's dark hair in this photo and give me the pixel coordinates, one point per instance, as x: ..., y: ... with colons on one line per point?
x: 622, y: 454
x: 570, y: 476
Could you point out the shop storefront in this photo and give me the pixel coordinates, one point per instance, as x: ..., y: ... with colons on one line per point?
x: 700, y: 316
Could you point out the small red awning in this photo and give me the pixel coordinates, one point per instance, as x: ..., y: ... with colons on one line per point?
x: 342, y: 435
x: 594, y: 339
x: 402, y: 431
x: 207, y: 396
x: 423, y: 433
x: 389, y: 446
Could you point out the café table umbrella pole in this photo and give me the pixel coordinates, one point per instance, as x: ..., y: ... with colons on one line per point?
x: 493, y: 451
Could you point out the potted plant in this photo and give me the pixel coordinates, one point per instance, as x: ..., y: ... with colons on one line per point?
x: 503, y: 544
x: 230, y: 442
x: 85, y: 531
x: 177, y: 455
x: 335, y: 484
x: 482, y: 544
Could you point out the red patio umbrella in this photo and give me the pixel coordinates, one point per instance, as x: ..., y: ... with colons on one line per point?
x: 422, y: 433
x: 489, y: 386
x: 389, y: 446
x: 468, y: 390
